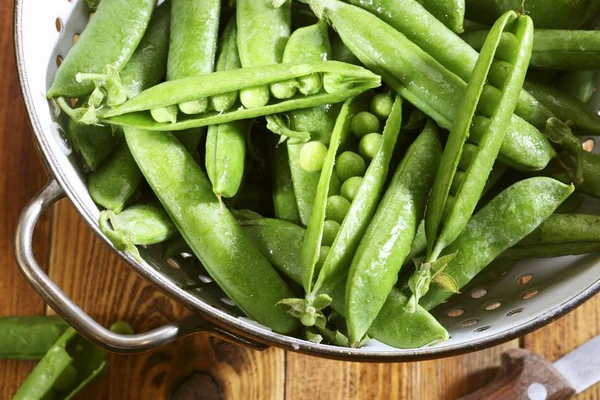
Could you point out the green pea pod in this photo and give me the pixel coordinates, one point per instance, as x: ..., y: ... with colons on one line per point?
x: 567, y: 108
x: 140, y: 224
x: 126, y: 21
x: 284, y: 198
x: 408, y: 69
x: 280, y: 242
x: 591, y: 173
x: 210, y: 229
x: 92, y: 142
x: 227, y: 59
x: 450, y: 12
x: 442, y: 231
x: 555, y: 14
x: 352, y: 80
x: 387, y: 240
x: 502, y: 223
x: 314, y: 232
x: 68, y: 366
x: 362, y: 209
x: 308, y: 44
x: 29, y: 338
x: 225, y: 157
x: 580, y: 85
x: 264, y: 29
x: 193, y: 44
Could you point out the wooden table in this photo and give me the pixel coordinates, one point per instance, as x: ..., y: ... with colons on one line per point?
x: 99, y: 282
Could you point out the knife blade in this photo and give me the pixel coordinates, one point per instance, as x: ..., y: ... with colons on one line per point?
x: 528, y: 376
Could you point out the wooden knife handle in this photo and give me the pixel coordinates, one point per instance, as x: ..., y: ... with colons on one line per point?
x: 527, y: 376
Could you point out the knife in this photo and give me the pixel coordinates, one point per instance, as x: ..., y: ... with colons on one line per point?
x: 527, y: 376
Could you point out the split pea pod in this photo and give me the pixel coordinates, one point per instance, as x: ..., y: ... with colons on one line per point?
x: 407, y: 69
x: 502, y: 223
x: 225, y: 143
x: 387, y: 240
x: 553, y: 49
x: 340, y: 82
x: 68, y: 366
x: 212, y: 232
x: 308, y: 44
x: 450, y: 12
x: 29, y: 338
x: 560, y: 235
x: 443, y: 231
x: 280, y: 242
x: 362, y: 209
x: 580, y: 85
x: 263, y: 30
x: 109, y: 39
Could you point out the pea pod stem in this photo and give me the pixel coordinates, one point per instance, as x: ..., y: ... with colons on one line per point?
x: 443, y: 231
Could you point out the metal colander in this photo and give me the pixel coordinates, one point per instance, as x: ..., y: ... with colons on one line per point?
x: 506, y: 301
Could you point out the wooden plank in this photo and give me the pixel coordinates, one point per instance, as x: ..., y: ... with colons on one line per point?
x: 21, y: 177
x: 314, y: 378
x: 104, y: 286
x: 566, y: 334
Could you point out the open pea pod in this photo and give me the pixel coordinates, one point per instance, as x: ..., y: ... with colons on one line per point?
x: 340, y: 82
x: 29, y: 338
x: 69, y: 365
x: 445, y: 220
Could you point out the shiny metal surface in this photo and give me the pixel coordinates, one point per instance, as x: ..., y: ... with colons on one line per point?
x: 498, y: 306
x: 581, y: 367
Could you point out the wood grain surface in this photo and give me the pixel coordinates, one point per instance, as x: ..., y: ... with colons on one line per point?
x: 200, y: 367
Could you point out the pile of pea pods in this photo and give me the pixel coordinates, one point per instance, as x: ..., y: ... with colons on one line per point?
x: 339, y: 168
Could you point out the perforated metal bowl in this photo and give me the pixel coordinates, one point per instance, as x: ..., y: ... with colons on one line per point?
x: 506, y: 301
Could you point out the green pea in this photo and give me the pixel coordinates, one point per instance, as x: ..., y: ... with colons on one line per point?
x: 337, y: 208
x: 285, y: 89
x: 363, y: 123
x: 323, y: 253
x: 381, y: 105
x: 369, y: 145
x: 312, y: 156
x: 255, y: 97
x: 122, y: 327
x: 194, y: 107
x: 349, y: 164
x: 165, y: 114
x: 67, y: 380
x: 310, y: 84
x: 350, y: 187
x: 335, y: 184
x: 331, y: 229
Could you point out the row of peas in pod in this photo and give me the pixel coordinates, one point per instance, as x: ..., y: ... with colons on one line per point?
x: 363, y: 160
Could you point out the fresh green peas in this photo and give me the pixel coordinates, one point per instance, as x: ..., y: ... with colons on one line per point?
x: 337, y: 208
x: 335, y: 184
x: 255, y: 97
x: 165, y: 114
x: 350, y: 187
x: 312, y: 156
x: 381, y: 105
x: 331, y: 229
x: 364, y: 123
x: 369, y: 145
x: 349, y: 164
x: 285, y: 89
x: 323, y: 253
x: 310, y: 84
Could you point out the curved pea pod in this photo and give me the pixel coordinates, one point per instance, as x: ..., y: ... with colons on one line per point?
x: 560, y: 235
x: 140, y: 224
x: 408, y: 69
x: 441, y: 230
x: 29, y: 338
x: 450, y: 12
x: 556, y: 14
x: 212, y: 232
x: 344, y: 81
x: 68, y: 366
x: 387, y: 240
x: 280, y: 242
x: 585, y: 121
x: 580, y: 85
x: 225, y: 157
x: 502, y: 223
x: 92, y: 142
x: 109, y: 39
x: 591, y: 173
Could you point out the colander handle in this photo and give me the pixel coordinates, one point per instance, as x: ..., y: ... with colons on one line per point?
x: 74, y: 315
